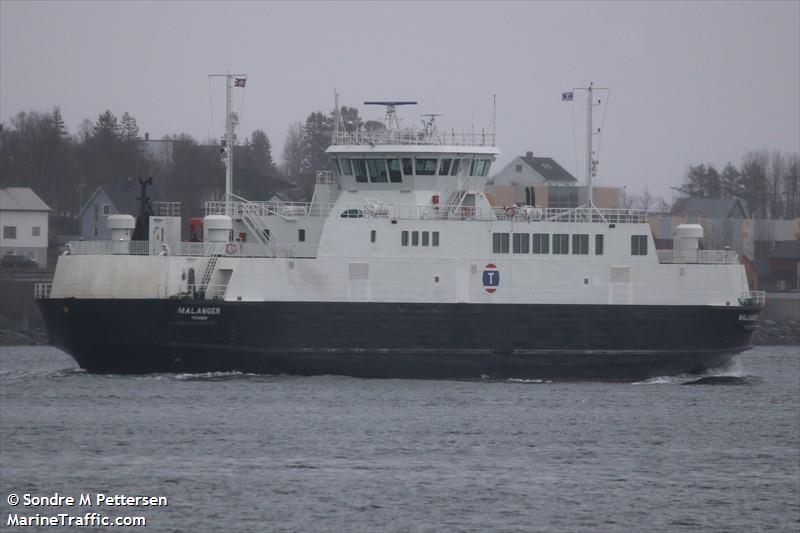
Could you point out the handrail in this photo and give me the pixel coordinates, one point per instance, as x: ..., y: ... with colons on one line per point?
x: 410, y: 137
x: 704, y: 257
x: 44, y: 291
x: 758, y: 298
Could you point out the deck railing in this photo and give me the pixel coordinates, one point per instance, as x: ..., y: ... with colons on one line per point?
x: 705, y: 257
x: 753, y: 298
x: 410, y: 137
x: 192, y: 249
x: 44, y: 291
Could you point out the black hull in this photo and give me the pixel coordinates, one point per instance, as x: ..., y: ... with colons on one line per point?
x: 395, y: 340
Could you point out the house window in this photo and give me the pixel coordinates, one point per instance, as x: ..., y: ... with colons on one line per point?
x: 404, y: 238
x: 373, y: 236
x: 425, y: 238
x: 598, y: 245
x: 580, y: 244
x: 638, y: 244
x: 414, y: 238
x: 560, y: 243
x: 36, y: 231
x: 94, y: 232
x: 9, y: 232
x: 301, y: 235
x: 435, y: 238
x: 541, y: 243
x: 96, y: 212
x: 521, y: 243
x: 106, y: 209
x: 518, y: 168
x: 500, y: 243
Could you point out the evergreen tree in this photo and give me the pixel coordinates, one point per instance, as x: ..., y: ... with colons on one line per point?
x: 58, y: 122
x: 755, y: 187
x: 128, y: 128
x: 730, y: 182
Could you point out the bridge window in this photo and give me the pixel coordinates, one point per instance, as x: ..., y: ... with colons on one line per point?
x: 395, y: 176
x: 454, y: 169
x: 480, y: 167
x: 560, y: 243
x: 580, y: 244
x: 521, y: 243
x: 541, y: 243
x: 638, y: 244
x: 414, y: 238
x: 408, y: 166
x: 598, y: 245
x: 377, y: 170
x: 344, y: 167
x: 360, y: 170
x: 404, y: 238
x: 500, y: 243
x: 444, y: 167
x: 426, y: 167
x: 435, y: 238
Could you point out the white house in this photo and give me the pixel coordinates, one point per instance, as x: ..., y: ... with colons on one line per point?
x: 23, y: 217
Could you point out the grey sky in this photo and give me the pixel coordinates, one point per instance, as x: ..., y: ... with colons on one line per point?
x: 691, y: 82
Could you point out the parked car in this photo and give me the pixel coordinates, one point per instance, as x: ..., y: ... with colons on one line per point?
x: 21, y: 262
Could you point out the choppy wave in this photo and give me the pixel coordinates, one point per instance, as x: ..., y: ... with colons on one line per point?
x: 41, y: 373
x: 520, y: 380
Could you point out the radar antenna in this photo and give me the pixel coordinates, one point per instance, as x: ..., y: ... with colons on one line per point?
x: 390, y: 121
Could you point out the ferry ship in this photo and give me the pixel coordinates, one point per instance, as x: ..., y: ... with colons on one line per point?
x: 400, y: 267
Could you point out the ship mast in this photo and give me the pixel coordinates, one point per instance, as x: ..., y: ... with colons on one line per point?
x: 589, y: 157
x: 231, y: 120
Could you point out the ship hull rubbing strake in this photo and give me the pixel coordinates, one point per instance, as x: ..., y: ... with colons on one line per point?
x: 397, y: 340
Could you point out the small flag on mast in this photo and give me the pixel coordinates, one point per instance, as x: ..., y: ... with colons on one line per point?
x: 566, y: 97
x: 239, y: 82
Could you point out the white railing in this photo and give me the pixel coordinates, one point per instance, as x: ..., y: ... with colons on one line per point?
x: 705, y: 257
x: 407, y: 137
x: 44, y: 291
x: 372, y: 208
x: 324, y: 177
x: 753, y: 298
x: 167, y: 209
x: 191, y: 249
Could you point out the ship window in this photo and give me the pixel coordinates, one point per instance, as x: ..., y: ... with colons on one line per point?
x: 580, y: 244
x: 414, y: 238
x: 444, y: 167
x: 395, y: 176
x: 521, y: 243
x: 425, y: 238
x: 360, y: 170
x: 404, y: 238
x: 500, y: 243
x: 480, y: 167
x: 598, y: 245
x: 454, y: 169
x: 426, y: 167
x: 560, y: 243
x: 344, y: 167
x: 541, y: 243
x: 638, y: 244
x: 377, y: 170
x: 408, y: 166
x: 301, y: 235
x: 373, y: 236
x: 435, y: 238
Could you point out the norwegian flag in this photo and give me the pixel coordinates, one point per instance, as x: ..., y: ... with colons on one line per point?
x: 566, y: 97
x: 239, y: 82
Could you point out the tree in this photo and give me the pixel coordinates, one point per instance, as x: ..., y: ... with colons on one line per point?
x: 292, y: 155
x: 730, y: 182
x: 755, y: 188
x: 791, y: 187
x: 702, y: 182
x: 107, y: 126
x: 129, y: 130
x: 58, y: 122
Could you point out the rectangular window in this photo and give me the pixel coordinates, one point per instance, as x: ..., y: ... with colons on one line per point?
x: 521, y: 243
x: 373, y: 236
x: 344, y: 167
x: 500, y: 243
x: 36, y: 231
x: 96, y: 212
x: 301, y: 235
x: 395, y: 176
x: 9, y: 232
x: 404, y: 238
x: 426, y: 167
x: 377, y: 170
x: 560, y: 243
x: 435, y: 238
x: 106, y: 209
x: 425, y: 238
x: 408, y: 166
x: 360, y: 170
x: 598, y: 245
x: 480, y: 167
x: 580, y: 244
x: 444, y: 167
x: 414, y: 238
x: 638, y: 244
x: 541, y: 243
x: 454, y: 169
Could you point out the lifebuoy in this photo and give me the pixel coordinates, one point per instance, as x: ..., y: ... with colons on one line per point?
x: 230, y: 248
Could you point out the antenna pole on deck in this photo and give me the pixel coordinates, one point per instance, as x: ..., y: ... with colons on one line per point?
x: 589, y: 193
x: 335, y: 134
x: 494, y: 119
x: 230, y: 137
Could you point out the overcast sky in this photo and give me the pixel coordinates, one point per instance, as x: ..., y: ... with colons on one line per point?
x: 691, y: 82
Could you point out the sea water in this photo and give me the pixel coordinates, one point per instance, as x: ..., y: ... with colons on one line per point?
x: 237, y: 452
